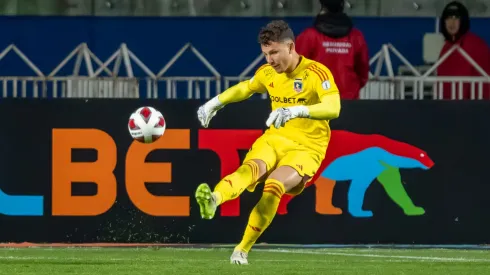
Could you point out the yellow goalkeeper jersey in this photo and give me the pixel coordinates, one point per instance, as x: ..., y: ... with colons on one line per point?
x: 306, y: 85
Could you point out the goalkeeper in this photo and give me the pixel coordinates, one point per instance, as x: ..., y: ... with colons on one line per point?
x: 304, y: 98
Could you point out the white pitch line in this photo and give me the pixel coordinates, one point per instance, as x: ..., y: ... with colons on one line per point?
x: 24, y: 258
x: 421, y: 258
x: 381, y: 256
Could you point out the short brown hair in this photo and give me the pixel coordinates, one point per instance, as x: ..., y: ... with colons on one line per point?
x: 275, y: 31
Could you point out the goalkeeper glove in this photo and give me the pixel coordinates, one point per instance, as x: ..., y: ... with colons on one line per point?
x: 280, y: 116
x: 207, y: 111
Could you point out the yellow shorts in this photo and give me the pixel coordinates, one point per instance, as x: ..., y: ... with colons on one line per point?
x: 278, y: 151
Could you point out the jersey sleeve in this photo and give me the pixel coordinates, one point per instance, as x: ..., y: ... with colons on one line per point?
x: 255, y: 83
x: 324, y: 83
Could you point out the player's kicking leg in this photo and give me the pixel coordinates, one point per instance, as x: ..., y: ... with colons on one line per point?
x: 228, y: 188
x: 282, y: 180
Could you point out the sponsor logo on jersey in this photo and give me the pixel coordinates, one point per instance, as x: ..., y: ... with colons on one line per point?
x: 288, y: 100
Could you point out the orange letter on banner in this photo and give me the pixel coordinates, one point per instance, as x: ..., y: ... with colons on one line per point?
x: 138, y: 172
x: 99, y: 172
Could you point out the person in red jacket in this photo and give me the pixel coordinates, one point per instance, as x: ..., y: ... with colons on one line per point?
x: 334, y: 42
x: 455, y: 26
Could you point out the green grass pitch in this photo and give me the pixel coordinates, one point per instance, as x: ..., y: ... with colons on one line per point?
x: 108, y: 261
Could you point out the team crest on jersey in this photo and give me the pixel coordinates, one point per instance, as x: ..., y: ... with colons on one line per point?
x: 298, y: 85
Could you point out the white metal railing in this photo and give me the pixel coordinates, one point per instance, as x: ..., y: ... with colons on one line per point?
x: 194, y: 87
x: 193, y: 83
x: 425, y: 85
x: 232, y: 80
x: 23, y: 57
x: 244, y: 75
x: 407, y: 87
x: 69, y: 87
x: 104, y: 78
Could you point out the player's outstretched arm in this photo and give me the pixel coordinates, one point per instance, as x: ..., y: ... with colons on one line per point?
x: 328, y: 109
x: 237, y: 93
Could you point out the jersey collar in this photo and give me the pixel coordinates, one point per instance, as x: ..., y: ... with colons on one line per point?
x: 298, y: 68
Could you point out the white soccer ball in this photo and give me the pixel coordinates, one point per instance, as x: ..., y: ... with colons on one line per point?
x: 146, y: 124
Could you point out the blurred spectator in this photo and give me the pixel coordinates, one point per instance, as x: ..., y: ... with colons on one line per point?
x: 334, y: 42
x: 455, y: 26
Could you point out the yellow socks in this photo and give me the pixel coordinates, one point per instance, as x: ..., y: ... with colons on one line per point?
x: 231, y: 186
x: 262, y: 214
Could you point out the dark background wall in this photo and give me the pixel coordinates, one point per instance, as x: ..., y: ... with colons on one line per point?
x: 48, y: 40
x: 453, y: 193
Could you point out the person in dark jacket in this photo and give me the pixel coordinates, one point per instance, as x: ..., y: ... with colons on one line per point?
x: 337, y: 44
x: 455, y: 26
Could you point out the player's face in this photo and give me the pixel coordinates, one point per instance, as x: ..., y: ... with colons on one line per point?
x: 452, y: 25
x: 278, y: 55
